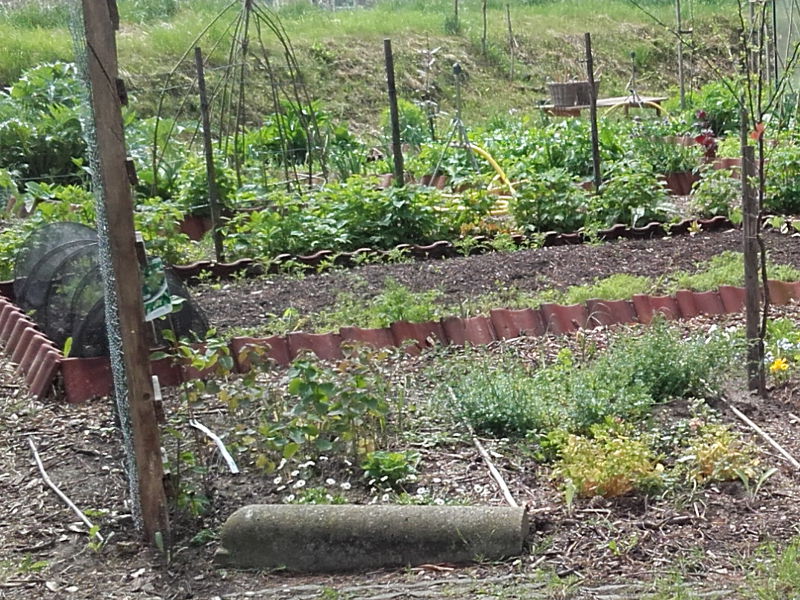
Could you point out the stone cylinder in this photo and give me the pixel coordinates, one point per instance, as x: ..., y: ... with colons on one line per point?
x: 329, y: 538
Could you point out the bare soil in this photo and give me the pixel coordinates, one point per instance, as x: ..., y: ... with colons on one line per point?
x: 707, y: 541
x: 248, y: 303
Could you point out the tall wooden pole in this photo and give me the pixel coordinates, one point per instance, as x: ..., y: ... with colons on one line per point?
x: 211, y: 172
x: 397, y: 148
x: 147, y: 478
x: 598, y: 178
x: 511, y: 43
x: 485, y: 28
x: 755, y: 366
x: 679, y: 30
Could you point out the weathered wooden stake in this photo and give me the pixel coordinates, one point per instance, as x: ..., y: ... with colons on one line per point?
x: 485, y: 27
x: 211, y: 172
x: 755, y: 366
x: 681, y: 78
x: 397, y: 148
x: 511, y: 42
x: 101, y: 53
x: 598, y: 178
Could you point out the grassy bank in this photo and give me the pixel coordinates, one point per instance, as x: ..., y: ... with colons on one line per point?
x: 340, y: 52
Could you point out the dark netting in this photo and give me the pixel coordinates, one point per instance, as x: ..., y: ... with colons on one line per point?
x: 58, y: 282
x: 40, y: 258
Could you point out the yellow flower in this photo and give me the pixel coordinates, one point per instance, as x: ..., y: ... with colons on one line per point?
x: 778, y: 365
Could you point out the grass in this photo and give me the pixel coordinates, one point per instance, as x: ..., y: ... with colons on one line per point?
x: 777, y: 573
x: 340, y: 53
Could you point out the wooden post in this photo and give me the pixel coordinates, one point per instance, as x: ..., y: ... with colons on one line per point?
x: 681, y: 79
x: 598, y: 179
x: 511, y: 44
x: 101, y: 53
x: 755, y: 366
x: 397, y: 149
x: 485, y: 27
x: 455, y: 15
x: 774, y: 53
x: 211, y: 172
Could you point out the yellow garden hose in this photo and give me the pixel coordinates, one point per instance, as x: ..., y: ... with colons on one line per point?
x: 484, y: 154
x: 655, y: 105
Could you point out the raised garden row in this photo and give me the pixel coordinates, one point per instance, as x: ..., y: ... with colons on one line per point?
x: 437, y: 250
x: 44, y: 367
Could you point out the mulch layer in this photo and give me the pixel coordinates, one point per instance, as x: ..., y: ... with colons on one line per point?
x: 630, y: 547
x: 250, y: 302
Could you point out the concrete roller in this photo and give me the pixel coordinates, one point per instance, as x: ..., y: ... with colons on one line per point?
x: 327, y: 538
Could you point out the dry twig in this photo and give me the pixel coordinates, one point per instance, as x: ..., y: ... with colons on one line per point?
x: 216, y: 439
x: 487, y: 459
x: 61, y: 494
x: 763, y: 434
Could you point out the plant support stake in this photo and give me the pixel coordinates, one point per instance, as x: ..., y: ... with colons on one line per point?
x: 397, y: 149
x: 593, y: 113
x: 211, y: 172
x: 130, y: 356
x: 679, y: 29
x: 511, y: 41
x: 750, y: 223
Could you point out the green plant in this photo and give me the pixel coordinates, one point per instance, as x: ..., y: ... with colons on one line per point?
x: 40, y: 125
x: 509, y: 400
x: 777, y: 572
x: 635, y: 372
x: 391, y: 468
x: 396, y: 302
x: 326, y: 410
x: 550, y: 200
x: 632, y: 194
x: 192, y: 186
x: 665, y: 155
x: 782, y: 192
x: 413, y: 123
x: 614, y: 287
x: 716, y: 193
x: 318, y: 495
x: 726, y: 268
x: 611, y: 461
x: 158, y: 221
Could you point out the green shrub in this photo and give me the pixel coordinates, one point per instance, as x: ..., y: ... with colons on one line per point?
x: 637, y: 371
x: 611, y: 461
x: 508, y: 401
x: 716, y: 193
x: 549, y: 200
x: 632, y: 194
x: 414, y: 128
x: 391, y: 468
x: 40, y: 126
x: 192, y: 186
x: 325, y: 410
x: 667, y: 365
x: 782, y: 193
